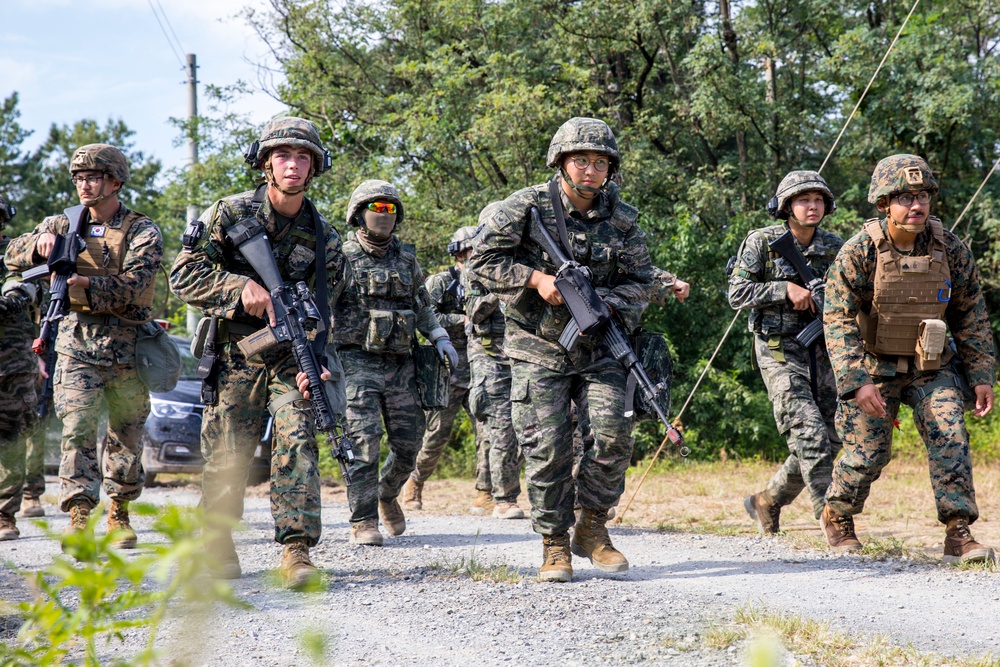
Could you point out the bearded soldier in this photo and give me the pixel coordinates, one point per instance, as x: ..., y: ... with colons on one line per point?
x: 110, y: 293
x: 582, y: 207
x: 798, y: 377
x: 212, y: 275
x: 383, y: 306
x: 895, y: 291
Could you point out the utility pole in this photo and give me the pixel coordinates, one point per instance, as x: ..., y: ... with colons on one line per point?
x: 192, y: 209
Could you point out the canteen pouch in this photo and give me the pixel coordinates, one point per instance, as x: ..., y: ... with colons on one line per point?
x: 157, y: 360
x: 931, y: 339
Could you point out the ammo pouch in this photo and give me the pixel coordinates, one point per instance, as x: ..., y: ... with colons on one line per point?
x: 653, y: 353
x: 157, y: 359
x: 960, y: 380
x: 931, y: 338
x: 390, y: 331
x: 433, y: 378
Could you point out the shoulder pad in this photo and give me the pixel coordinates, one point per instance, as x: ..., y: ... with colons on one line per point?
x: 408, y: 248
x: 937, y: 227
x: 626, y: 214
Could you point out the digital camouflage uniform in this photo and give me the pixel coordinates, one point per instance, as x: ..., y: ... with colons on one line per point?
x: 384, y: 304
x: 211, y: 277
x: 545, y: 378
x: 759, y: 282
x: 96, y: 360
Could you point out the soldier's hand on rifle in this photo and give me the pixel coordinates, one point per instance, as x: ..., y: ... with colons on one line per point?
x: 546, y: 286
x: 42, y: 373
x: 984, y: 400
x: 302, y: 381
x: 801, y: 298
x: 44, y: 244
x: 77, y: 280
x: 257, y: 301
x: 869, y: 399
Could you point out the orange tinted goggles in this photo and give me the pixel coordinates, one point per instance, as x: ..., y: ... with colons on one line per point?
x: 382, y: 207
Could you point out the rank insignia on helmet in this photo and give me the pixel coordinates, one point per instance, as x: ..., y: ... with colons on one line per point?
x: 914, y: 176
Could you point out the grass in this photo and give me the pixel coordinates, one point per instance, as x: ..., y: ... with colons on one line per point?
x: 473, y: 568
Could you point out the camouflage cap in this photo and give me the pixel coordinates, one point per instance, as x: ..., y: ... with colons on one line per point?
x: 899, y: 173
x: 100, y: 157
x: 797, y: 182
x: 292, y: 131
x: 7, y: 211
x: 369, y: 191
x: 583, y: 134
x: 462, y: 239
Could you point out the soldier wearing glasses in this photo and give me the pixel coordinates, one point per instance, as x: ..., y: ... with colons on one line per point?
x: 893, y: 293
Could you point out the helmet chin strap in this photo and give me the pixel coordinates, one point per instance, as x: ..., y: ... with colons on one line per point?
x: 584, y: 191
x: 101, y: 195
x: 912, y: 229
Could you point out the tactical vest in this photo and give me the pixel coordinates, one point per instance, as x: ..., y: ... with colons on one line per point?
x: 376, y: 309
x: 907, y: 292
x: 103, y: 256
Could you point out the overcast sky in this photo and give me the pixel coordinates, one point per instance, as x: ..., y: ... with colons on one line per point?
x: 101, y: 59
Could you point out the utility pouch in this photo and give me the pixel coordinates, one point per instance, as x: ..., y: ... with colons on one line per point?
x: 257, y: 342
x: 208, y: 371
x: 433, y: 378
x: 931, y: 339
x: 389, y: 331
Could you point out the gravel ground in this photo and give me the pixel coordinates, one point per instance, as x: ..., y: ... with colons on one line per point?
x: 405, y: 604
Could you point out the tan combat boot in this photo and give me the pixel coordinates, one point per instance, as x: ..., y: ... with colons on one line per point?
x: 507, y: 510
x: 412, y: 494
x: 8, y: 528
x: 960, y: 547
x: 392, y: 517
x: 557, y: 561
x: 764, y: 511
x: 483, y: 504
x: 591, y: 540
x: 839, y: 531
x: 223, y: 562
x: 79, y: 514
x: 296, y: 569
x: 31, y: 508
x: 118, y: 521
x: 366, y: 532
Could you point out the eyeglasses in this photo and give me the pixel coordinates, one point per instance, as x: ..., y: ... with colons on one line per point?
x: 92, y: 179
x: 382, y: 207
x: 581, y: 162
x: 906, y: 198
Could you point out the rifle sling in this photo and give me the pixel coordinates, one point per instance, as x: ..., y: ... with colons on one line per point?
x: 557, y: 209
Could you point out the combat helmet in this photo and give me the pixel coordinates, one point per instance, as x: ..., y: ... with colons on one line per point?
x: 461, y: 240
x: 7, y: 211
x: 100, y: 157
x: 797, y: 182
x: 369, y: 191
x: 899, y: 173
x: 583, y: 134
x: 289, y: 131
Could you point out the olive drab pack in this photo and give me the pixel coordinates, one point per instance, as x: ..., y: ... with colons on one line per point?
x: 906, y: 315
x: 106, y: 248
x: 157, y: 360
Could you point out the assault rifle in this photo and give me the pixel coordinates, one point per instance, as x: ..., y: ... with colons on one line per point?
x: 61, y: 265
x: 784, y: 245
x: 293, y: 307
x: 590, y: 316
x: 455, y: 288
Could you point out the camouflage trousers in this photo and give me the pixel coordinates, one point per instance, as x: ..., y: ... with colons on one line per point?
x: 81, y: 392
x: 34, y: 462
x: 807, y: 423
x: 940, y: 420
x: 380, y: 388
x: 231, y: 431
x: 541, y: 401
x: 441, y: 421
x: 499, y: 457
x: 17, y: 413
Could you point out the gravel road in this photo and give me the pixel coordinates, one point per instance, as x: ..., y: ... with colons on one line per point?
x: 404, y: 603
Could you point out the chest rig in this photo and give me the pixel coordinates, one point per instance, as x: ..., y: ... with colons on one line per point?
x: 103, y: 256
x: 911, y: 294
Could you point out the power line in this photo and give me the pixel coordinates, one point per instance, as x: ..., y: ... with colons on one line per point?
x: 170, y: 43
x: 978, y: 190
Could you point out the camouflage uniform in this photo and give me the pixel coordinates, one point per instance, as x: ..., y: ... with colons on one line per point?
x: 545, y: 378
x: 806, y: 422
x: 663, y: 286
x: 939, y: 415
x: 383, y: 305
x: 211, y: 277
x: 96, y: 362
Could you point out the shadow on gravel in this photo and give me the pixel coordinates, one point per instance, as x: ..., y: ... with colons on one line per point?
x: 708, y: 569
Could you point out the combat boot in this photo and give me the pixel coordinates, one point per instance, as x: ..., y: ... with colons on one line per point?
x: 223, y: 562
x: 557, y: 561
x: 366, y: 532
x: 392, y: 517
x: 483, y: 504
x: 31, y: 508
x: 591, y: 540
x: 764, y: 511
x: 79, y: 514
x: 8, y: 528
x: 839, y: 531
x: 412, y: 493
x: 507, y: 510
x: 118, y: 521
x: 296, y: 569
x: 960, y: 547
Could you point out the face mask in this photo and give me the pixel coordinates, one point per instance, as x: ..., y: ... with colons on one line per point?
x: 379, y: 225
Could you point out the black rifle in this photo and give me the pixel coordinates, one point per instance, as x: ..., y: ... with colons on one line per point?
x: 455, y: 288
x: 293, y: 307
x: 784, y: 245
x: 61, y: 265
x: 573, y: 282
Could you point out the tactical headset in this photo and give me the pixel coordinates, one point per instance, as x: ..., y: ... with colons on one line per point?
x: 256, y: 163
x: 774, y: 212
